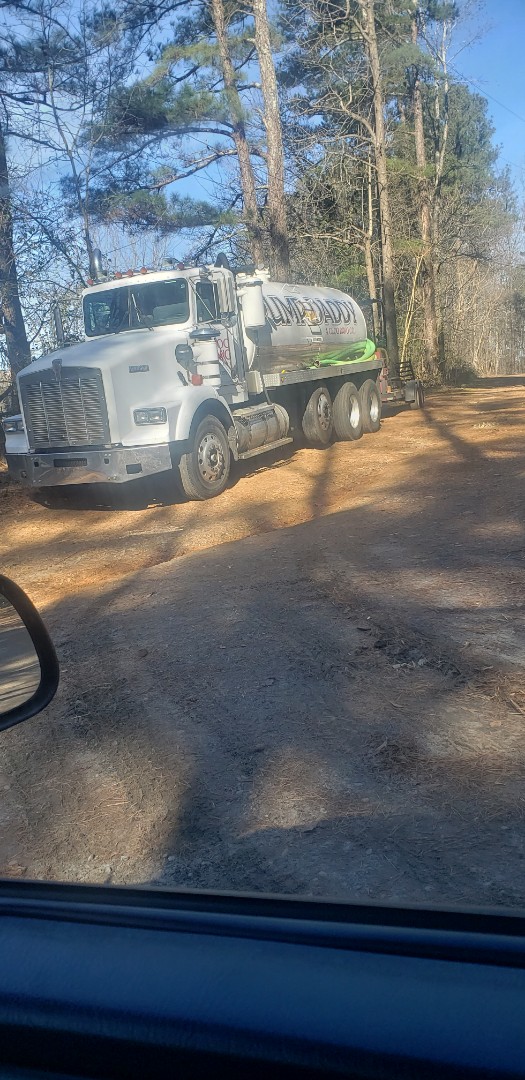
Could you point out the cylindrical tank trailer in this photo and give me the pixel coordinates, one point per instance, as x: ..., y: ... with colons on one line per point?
x: 297, y: 325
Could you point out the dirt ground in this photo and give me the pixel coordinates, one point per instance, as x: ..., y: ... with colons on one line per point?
x: 311, y: 685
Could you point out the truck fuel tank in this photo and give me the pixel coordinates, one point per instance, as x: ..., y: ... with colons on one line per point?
x: 260, y: 425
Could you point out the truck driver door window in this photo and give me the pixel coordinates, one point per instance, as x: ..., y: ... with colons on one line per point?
x: 208, y: 309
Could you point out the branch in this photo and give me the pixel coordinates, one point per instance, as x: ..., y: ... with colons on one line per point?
x: 198, y: 254
x: 195, y: 167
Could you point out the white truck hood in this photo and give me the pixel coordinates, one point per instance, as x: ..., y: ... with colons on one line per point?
x: 130, y: 346
x: 138, y: 370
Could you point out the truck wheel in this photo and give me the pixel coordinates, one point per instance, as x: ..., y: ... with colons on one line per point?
x: 205, y: 469
x: 370, y: 405
x: 348, y: 416
x: 318, y: 418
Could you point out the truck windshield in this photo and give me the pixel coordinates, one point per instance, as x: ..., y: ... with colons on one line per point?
x: 156, y: 303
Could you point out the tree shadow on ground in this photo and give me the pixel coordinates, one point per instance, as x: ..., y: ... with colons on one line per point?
x: 333, y: 708
x: 494, y: 382
x: 163, y: 489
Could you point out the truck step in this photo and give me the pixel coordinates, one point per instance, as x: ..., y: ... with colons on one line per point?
x: 264, y: 449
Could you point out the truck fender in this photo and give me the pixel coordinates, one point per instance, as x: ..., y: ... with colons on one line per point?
x: 198, y: 403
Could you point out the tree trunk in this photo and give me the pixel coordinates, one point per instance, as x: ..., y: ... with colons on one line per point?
x: 427, y: 273
x: 441, y: 123
x: 372, y: 286
x: 251, y: 211
x: 387, y: 253
x: 369, y: 260
x: 17, y: 345
x: 278, y: 227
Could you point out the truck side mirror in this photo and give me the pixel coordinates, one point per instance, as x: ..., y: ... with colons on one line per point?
x: 184, y: 355
x: 29, y: 671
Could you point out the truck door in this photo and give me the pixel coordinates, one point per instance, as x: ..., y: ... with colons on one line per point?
x: 216, y: 304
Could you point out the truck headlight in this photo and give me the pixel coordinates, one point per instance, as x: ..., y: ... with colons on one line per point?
x: 150, y: 416
x: 12, y: 426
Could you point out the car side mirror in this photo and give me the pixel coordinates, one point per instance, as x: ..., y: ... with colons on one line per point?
x: 29, y: 671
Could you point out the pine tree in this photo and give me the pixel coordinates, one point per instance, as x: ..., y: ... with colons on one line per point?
x: 277, y: 216
x: 189, y: 113
x: 232, y: 95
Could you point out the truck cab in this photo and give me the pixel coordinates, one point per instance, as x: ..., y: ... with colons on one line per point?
x: 157, y: 346
x: 183, y: 303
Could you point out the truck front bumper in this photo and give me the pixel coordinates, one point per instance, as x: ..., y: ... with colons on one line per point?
x: 89, y: 466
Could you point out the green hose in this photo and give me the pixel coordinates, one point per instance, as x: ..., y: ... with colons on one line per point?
x: 361, y: 350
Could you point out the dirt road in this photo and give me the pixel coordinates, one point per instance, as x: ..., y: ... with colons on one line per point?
x: 312, y: 685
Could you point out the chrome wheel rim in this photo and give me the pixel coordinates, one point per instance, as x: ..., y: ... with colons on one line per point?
x: 210, y: 458
x: 355, y: 413
x: 374, y: 409
x: 324, y: 412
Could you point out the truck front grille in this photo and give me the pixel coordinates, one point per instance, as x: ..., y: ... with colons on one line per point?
x: 65, y: 409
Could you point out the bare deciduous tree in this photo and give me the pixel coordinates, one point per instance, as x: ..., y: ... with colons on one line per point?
x: 369, y: 32
x: 427, y: 268
x: 13, y: 325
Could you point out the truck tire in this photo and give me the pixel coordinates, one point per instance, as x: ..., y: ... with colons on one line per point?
x: 348, y: 413
x: 370, y: 405
x: 318, y: 420
x: 205, y: 469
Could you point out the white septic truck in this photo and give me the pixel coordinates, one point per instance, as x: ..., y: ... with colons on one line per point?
x: 187, y: 368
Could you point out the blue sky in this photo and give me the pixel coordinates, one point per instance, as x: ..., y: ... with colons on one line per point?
x: 496, y: 65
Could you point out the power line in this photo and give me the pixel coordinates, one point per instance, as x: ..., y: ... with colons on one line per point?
x: 478, y: 86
